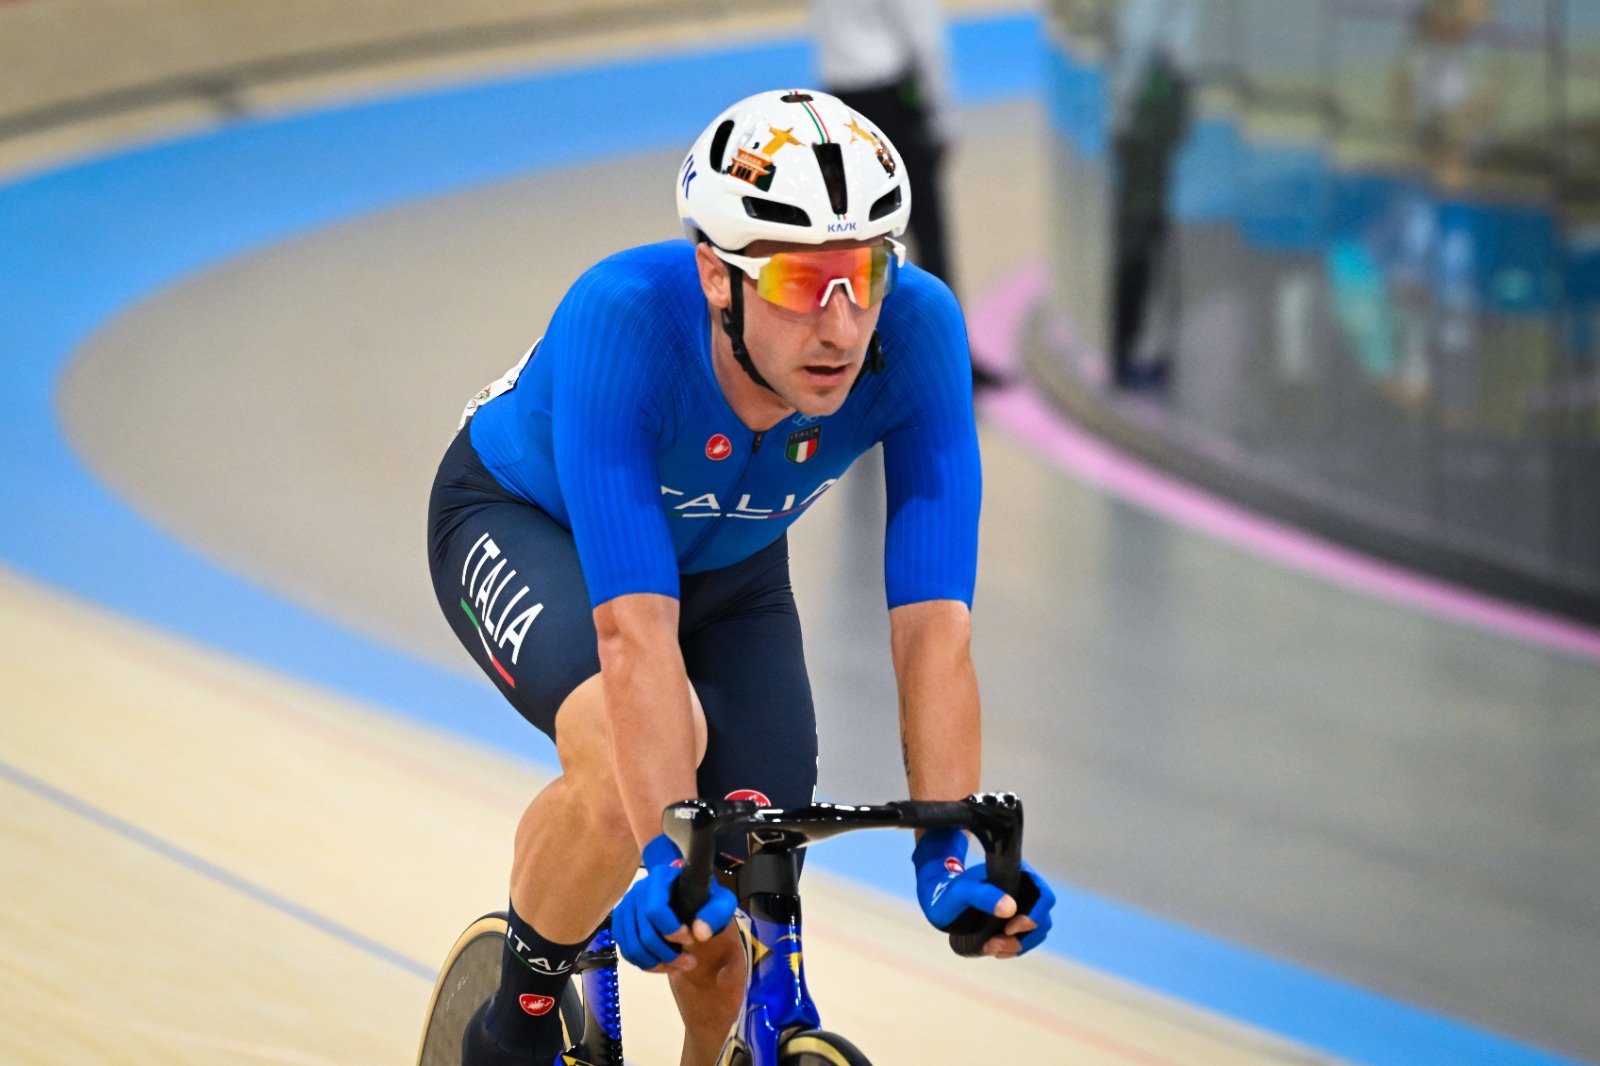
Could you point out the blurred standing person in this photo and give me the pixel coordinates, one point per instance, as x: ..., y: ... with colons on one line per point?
x: 888, y: 60
x: 1434, y: 91
x: 1446, y: 103
x: 1151, y: 79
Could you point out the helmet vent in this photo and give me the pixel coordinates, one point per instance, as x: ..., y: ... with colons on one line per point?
x: 719, y: 144
x: 797, y: 98
x: 830, y: 157
x: 887, y: 204
x: 773, y: 211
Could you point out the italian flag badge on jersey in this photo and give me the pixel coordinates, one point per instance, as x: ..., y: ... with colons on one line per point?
x: 803, y: 443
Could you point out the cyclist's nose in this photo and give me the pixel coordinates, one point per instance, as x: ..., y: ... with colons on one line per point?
x: 838, y: 325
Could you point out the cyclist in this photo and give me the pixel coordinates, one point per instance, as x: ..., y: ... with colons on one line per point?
x: 606, y: 537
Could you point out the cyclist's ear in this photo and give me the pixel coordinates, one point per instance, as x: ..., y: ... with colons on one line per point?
x: 716, y: 277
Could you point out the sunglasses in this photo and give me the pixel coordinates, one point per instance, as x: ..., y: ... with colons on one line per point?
x: 804, y: 281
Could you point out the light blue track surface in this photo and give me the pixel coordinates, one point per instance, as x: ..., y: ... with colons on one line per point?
x: 81, y: 244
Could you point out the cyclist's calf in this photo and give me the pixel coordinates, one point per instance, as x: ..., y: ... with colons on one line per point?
x: 709, y: 996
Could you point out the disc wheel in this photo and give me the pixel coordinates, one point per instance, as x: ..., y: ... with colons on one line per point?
x: 469, y: 976
x: 817, y: 1047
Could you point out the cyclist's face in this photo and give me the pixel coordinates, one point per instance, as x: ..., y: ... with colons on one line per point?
x: 811, y: 357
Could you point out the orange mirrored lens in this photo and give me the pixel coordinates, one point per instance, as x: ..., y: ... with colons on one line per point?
x: 799, y: 281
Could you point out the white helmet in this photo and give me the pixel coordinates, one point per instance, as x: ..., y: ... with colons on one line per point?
x: 792, y: 165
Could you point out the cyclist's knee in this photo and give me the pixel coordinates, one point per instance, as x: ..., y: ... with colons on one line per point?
x: 583, y: 738
x: 701, y: 734
x: 587, y: 779
x: 583, y: 745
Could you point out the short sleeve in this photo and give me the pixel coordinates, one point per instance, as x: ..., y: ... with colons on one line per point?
x: 932, y: 469
x: 607, y: 339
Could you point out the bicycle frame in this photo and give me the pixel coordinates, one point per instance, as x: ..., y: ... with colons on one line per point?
x: 776, y: 997
x: 777, y: 1001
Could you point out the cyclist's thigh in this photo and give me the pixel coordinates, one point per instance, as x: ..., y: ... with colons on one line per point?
x: 743, y: 653
x: 507, y: 577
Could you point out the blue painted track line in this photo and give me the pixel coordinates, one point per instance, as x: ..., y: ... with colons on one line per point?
x: 80, y: 244
x: 212, y: 872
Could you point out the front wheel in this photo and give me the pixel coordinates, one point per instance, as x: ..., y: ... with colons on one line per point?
x: 817, y: 1047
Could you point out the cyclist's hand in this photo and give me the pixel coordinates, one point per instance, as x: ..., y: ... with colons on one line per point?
x: 648, y: 933
x: 946, y: 889
x: 1025, y: 931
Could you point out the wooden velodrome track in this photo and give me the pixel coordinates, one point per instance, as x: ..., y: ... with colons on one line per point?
x: 206, y: 861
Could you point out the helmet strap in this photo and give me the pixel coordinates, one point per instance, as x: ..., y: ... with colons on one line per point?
x: 873, y: 363
x: 733, y: 326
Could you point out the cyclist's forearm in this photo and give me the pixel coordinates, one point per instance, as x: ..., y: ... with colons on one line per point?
x: 940, y: 735
x: 940, y: 721
x: 648, y: 711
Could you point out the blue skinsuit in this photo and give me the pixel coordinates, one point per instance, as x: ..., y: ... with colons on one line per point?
x: 612, y: 426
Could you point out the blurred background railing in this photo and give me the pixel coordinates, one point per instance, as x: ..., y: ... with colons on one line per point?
x: 1341, y: 259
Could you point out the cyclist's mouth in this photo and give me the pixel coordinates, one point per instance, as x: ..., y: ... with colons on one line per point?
x: 823, y: 374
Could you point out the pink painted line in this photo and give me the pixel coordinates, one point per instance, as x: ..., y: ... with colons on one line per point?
x: 996, y: 324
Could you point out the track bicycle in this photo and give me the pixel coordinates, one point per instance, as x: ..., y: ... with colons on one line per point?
x: 778, y: 1024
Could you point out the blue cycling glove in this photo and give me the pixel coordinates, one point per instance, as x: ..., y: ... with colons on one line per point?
x: 946, y: 888
x: 642, y: 920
